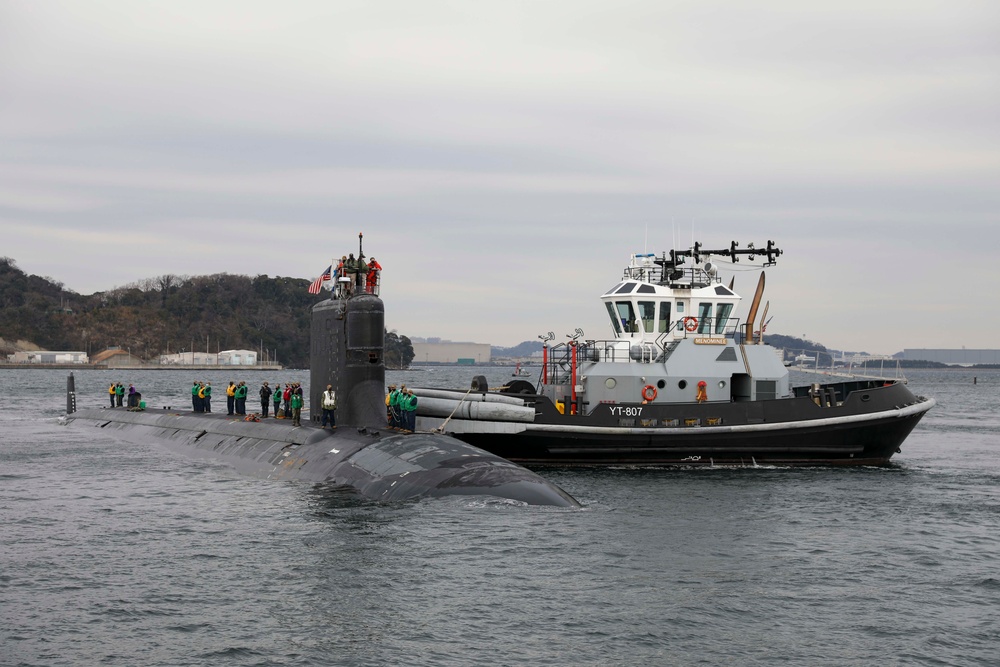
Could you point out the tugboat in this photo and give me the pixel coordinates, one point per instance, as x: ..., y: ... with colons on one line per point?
x: 680, y: 382
x: 520, y: 372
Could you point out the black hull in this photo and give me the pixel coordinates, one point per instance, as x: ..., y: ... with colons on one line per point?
x: 861, y: 424
x: 854, y: 444
x: 383, y: 467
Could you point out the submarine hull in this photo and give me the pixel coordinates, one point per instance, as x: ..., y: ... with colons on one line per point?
x: 384, y: 467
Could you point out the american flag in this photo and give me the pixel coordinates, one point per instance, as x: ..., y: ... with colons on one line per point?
x: 317, y: 284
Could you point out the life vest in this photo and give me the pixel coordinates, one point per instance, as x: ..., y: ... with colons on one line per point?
x: 111, y: 390
x: 231, y: 390
x: 287, y: 394
x: 201, y: 392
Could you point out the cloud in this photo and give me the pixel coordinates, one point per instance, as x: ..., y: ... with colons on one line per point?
x: 504, y: 159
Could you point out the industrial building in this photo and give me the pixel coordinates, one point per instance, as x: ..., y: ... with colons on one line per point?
x: 447, y: 352
x: 222, y: 358
x: 48, y: 357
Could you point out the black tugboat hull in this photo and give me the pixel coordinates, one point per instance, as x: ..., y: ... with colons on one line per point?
x: 848, y: 444
x: 866, y: 427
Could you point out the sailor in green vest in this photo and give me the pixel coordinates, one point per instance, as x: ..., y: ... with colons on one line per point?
x: 241, y: 398
x: 208, y: 397
x: 395, y: 402
x: 119, y: 393
x: 195, y: 401
x: 408, y: 402
x: 276, y: 398
x: 296, y: 405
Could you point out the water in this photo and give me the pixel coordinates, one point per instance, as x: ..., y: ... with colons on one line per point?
x: 127, y: 554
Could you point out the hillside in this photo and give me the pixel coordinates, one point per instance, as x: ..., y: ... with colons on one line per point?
x: 168, y: 314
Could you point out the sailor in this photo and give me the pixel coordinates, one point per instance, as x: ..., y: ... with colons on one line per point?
x: 389, y: 418
x: 351, y: 271
x: 241, y: 398
x: 201, y: 397
x: 374, y: 269
x: 119, y: 393
x: 231, y: 397
x: 112, y: 392
x: 276, y: 397
x: 296, y: 405
x: 409, y: 406
x: 265, y: 399
x: 208, y: 397
x: 194, y: 397
x: 339, y: 273
x: 362, y: 272
x: 287, y: 397
x: 329, y: 407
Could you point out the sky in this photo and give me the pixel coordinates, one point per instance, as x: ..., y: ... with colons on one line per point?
x: 504, y: 159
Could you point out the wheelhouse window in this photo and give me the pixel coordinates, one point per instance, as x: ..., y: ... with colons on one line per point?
x: 626, y: 314
x: 614, y: 318
x: 722, y: 312
x: 664, y: 321
x: 704, y: 318
x: 647, y: 313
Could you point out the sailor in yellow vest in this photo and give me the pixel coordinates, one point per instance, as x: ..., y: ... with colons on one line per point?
x: 329, y: 407
x: 112, y: 392
x: 231, y: 397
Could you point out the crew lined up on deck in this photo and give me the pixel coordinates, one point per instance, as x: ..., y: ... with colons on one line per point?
x: 117, y: 393
x: 358, y: 273
x: 201, y: 396
x: 401, y: 408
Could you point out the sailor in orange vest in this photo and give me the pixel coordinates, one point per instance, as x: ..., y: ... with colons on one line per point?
x: 374, y: 269
x: 702, y: 394
x: 112, y: 391
x: 231, y: 398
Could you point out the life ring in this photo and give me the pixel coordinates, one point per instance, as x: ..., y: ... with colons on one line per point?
x: 649, y: 392
x: 690, y: 323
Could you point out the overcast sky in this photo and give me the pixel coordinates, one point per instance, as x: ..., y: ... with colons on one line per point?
x: 503, y: 159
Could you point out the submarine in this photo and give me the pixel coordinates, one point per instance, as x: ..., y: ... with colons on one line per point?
x: 362, y: 454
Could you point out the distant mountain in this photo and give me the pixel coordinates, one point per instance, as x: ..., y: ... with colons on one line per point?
x: 169, y: 314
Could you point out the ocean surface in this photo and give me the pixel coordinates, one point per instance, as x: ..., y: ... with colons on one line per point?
x: 129, y: 554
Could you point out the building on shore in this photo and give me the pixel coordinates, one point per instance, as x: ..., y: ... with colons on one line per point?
x: 48, y: 357
x: 436, y: 351
x: 222, y: 358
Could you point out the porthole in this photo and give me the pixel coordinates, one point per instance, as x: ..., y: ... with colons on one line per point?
x: 722, y: 384
x: 682, y: 384
x: 866, y: 397
x: 661, y: 384
x: 610, y: 383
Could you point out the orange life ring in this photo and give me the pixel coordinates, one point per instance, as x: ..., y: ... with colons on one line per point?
x: 690, y: 323
x: 649, y: 392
